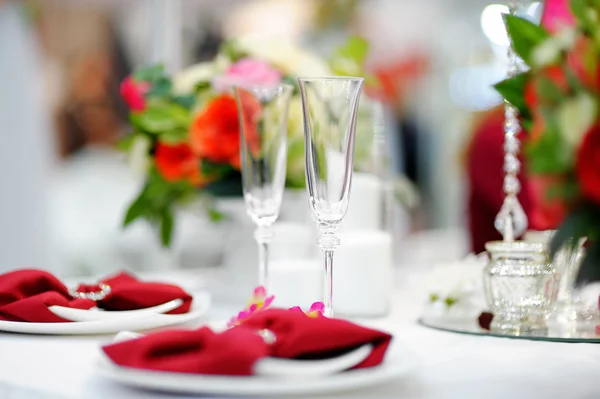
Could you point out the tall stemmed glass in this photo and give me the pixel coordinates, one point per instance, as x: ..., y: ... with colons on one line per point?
x: 330, y: 106
x: 262, y: 114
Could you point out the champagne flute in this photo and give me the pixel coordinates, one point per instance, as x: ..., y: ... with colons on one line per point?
x: 330, y: 106
x: 262, y: 114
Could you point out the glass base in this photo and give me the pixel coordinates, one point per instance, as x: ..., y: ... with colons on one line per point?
x: 572, y: 312
x: 527, y: 327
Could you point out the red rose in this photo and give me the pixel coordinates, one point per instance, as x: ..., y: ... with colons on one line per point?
x: 133, y: 93
x: 178, y: 162
x: 588, y: 164
x: 215, y: 134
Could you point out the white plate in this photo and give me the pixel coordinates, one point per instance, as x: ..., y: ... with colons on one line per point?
x: 142, y: 322
x: 289, y: 368
x: 93, y: 314
x: 397, y: 363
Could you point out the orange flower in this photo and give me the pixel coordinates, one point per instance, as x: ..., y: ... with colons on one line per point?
x: 178, y: 162
x: 214, y: 135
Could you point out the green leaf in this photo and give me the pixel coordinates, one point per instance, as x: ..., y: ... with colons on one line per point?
x: 579, y: 9
x: 548, y: 90
x: 174, y: 136
x: 166, y: 227
x: 350, y: 58
x: 581, y: 222
x: 150, y: 73
x: 136, y: 210
x: 160, y: 87
x: 525, y: 36
x: 513, y: 90
x: 216, y: 216
x: 161, y: 117
x: 126, y: 142
x: 233, y: 51
x: 214, y: 170
x: 188, y: 102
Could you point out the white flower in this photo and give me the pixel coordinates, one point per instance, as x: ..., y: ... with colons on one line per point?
x: 284, y: 55
x: 186, y: 80
x: 548, y: 52
x: 139, y: 160
x: 457, y: 280
x: 575, y: 117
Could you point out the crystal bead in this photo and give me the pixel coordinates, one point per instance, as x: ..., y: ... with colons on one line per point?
x: 511, y: 145
x: 511, y: 125
x: 511, y: 185
x: 511, y: 164
x: 511, y: 208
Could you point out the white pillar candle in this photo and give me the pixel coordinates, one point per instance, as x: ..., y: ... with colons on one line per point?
x: 291, y: 241
x: 362, y: 274
x: 296, y: 282
x: 365, y: 206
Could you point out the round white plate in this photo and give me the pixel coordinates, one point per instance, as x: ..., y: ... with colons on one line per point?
x: 145, y: 321
x: 397, y: 363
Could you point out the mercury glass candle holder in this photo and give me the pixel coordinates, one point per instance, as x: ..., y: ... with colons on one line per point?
x: 521, y: 287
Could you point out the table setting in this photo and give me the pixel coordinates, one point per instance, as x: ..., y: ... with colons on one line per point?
x: 497, y: 324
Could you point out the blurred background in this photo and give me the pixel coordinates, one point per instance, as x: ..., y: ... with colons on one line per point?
x: 65, y: 186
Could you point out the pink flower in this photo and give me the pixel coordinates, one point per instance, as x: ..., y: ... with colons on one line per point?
x: 248, y: 71
x: 133, y: 93
x: 260, y: 301
x: 316, y: 309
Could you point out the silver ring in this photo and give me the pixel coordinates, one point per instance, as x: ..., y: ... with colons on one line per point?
x: 94, y: 296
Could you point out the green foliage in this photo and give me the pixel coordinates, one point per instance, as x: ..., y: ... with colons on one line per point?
x: 547, y: 155
x: 525, y: 36
x: 155, y: 204
x: 581, y: 223
x: 232, y: 50
x: 513, y: 90
x: 349, y: 59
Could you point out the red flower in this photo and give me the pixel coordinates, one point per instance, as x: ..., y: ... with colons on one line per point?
x: 133, y: 93
x: 588, y: 164
x: 582, y: 60
x: 215, y: 134
x: 546, y: 213
x: 178, y: 162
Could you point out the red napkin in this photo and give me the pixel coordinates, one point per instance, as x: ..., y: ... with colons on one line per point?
x: 300, y: 336
x: 202, y: 351
x: 128, y: 293
x: 25, y: 295
x: 235, y: 351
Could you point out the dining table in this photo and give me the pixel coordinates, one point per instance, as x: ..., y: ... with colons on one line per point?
x: 446, y: 365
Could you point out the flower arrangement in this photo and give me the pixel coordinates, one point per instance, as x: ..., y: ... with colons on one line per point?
x: 185, y: 135
x: 558, y: 99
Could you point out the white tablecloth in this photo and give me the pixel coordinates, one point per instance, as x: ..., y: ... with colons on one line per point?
x: 449, y: 366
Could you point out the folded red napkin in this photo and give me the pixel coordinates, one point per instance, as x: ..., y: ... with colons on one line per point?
x: 234, y: 351
x: 300, y: 336
x: 26, y: 294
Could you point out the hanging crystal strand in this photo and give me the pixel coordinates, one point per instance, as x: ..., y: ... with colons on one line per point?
x: 511, y: 221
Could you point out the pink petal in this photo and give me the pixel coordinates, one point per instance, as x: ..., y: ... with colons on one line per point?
x: 268, y: 301
x: 260, y: 292
x: 317, y: 307
x: 296, y: 309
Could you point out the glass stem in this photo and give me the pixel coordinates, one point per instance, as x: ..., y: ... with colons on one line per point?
x: 263, y: 236
x: 328, y: 284
x: 328, y: 243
